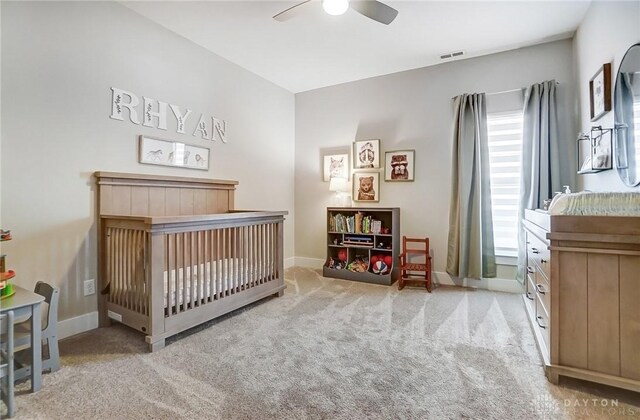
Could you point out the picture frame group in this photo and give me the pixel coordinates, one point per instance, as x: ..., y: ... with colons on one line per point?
x: 369, y: 165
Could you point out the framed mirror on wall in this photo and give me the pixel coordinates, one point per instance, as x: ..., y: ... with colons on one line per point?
x: 627, y: 117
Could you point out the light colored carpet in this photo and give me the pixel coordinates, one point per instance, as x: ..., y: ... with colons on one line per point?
x: 327, y: 349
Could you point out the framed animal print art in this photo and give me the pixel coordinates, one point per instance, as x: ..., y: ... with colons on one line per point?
x: 366, y: 154
x: 173, y: 153
x: 366, y: 187
x: 336, y: 166
x: 399, y: 165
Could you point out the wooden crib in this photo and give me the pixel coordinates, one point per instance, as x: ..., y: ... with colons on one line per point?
x: 173, y: 252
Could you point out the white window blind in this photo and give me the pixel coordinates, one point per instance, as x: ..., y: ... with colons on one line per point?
x: 505, y: 150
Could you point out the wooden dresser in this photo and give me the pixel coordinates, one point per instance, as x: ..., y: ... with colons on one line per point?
x: 583, y: 296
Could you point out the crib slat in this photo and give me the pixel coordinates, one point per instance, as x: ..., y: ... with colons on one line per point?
x: 146, y: 269
x: 184, y: 272
x: 250, y: 256
x: 110, y: 258
x: 270, y: 250
x: 136, y: 262
x: 219, y: 263
x: 230, y: 289
x: 254, y: 263
x: 262, y: 252
x: 192, y: 278
x: 236, y: 259
x: 243, y: 257
x: 120, y: 268
x: 167, y: 270
x: 174, y: 281
x: 200, y: 273
x: 225, y: 265
x: 129, y: 269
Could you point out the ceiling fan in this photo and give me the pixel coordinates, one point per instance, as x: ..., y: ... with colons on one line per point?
x: 372, y: 9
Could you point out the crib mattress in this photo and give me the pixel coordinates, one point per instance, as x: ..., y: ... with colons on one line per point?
x: 208, y: 279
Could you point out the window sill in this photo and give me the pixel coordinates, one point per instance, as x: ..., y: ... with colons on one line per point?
x: 506, y: 260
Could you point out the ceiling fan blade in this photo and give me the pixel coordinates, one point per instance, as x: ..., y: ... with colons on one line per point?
x: 375, y: 10
x: 291, y: 12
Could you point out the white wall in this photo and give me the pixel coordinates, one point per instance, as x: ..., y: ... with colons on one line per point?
x: 609, y: 28
x: 59, y: 61
x: 411, y: 110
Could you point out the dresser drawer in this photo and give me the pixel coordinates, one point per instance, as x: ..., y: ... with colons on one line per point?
x: 530, y: 286
x: 543, y: 290
x: 538, y: 254
x: 542, y: 319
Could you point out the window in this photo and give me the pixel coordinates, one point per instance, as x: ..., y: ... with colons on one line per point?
x: 636, y: 125
x: 505, y: 150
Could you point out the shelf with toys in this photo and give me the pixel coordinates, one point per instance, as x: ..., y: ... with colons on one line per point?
x: 363, y: 244
x: 6, y: 287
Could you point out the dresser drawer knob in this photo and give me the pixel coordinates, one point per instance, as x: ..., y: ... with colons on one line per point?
x: 529, y: 270
x: 543, y: 261
x: 527, y: 295
x: 540, y: 289
x: 535, y: 250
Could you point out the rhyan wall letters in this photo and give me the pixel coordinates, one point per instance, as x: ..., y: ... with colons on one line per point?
x: 154, y: 114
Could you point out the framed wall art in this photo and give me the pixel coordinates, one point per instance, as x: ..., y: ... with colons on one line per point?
x: 173, y: 153
x: 366, y: 154
x: 336, y: 166
x: 366, y: 186
x: 399, y: 165
x: 600, y: 92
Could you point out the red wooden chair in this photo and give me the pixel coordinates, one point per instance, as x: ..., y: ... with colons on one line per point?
x: 415, y: 271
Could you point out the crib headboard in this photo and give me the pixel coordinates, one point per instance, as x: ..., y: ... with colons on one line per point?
x: 125, y: 194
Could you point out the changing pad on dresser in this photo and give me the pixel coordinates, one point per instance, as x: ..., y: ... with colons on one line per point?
x: 596, y: 204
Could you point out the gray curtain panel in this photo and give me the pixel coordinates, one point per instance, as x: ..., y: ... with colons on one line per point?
x: 470, y: 252
x: 540, y: 172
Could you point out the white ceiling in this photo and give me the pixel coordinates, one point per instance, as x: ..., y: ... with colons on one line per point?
x: 315, y: 50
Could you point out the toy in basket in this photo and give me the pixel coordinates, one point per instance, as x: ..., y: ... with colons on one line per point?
x: 381, y: 264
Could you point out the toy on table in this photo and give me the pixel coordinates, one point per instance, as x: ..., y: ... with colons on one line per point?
x: 6, y: 288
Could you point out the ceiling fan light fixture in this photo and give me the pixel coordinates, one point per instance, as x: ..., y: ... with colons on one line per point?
x: 335, y: 7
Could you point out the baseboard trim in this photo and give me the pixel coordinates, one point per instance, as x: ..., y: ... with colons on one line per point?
x: 77, y: 325
x: 495, y: 284
x: 307, y: 262
x: 289, y: 262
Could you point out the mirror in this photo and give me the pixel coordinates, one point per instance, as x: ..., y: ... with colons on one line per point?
x: 627, y: 117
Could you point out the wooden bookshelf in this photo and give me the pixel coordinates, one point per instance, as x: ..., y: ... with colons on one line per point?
x: 362, y: 241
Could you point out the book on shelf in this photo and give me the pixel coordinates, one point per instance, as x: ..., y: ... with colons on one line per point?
x: 358, y: 223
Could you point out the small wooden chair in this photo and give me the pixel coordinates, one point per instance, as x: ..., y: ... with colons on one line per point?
x: 412, y: 269
x: 49, y: 333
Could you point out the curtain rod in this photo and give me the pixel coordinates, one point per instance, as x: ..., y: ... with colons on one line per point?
x: 505, y: 91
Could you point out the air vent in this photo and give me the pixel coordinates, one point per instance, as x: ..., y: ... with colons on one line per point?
x: 452, y: 55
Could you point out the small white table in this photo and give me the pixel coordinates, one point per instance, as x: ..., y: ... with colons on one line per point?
x: 27, y: 304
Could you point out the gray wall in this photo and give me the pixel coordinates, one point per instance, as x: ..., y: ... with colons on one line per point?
x: 59, y: 61
x: 609, y: 28
x: 411, y: 110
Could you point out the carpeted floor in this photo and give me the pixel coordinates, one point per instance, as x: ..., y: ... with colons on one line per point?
x: 327, y: 349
